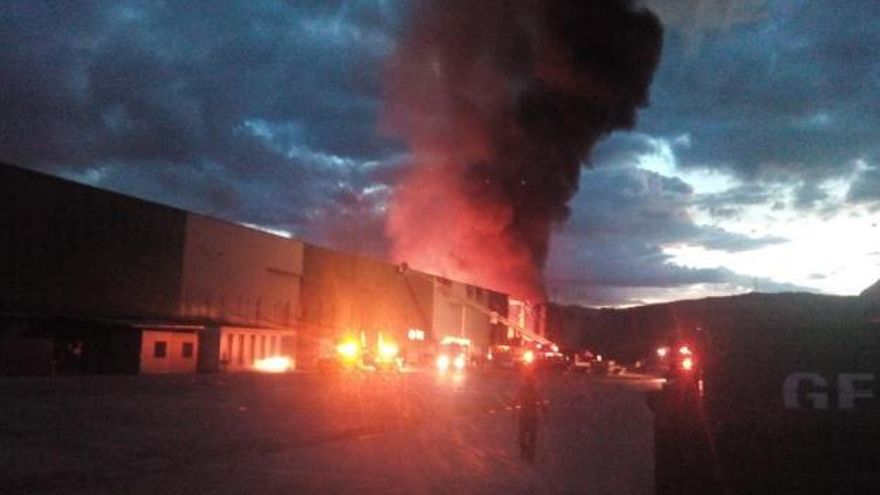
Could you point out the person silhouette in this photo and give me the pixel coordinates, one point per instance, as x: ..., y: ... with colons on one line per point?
x: 530, y: 405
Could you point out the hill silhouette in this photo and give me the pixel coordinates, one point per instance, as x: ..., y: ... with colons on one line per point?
x: 872, y: 292
x: 871, y: 299
x: 756, y: 319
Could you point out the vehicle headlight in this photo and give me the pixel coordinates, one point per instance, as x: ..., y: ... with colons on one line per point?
x: 459, y: 362
x: 388, y: 351
x: 443, y: 363
x: 348, y: 350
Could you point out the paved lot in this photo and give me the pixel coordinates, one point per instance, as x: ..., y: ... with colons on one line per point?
x: 310, y: 433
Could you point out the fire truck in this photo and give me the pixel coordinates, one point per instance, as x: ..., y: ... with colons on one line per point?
x: 454, y: 354
x: 350, y: 353
x: 458, y: 352
x: 775, y: 404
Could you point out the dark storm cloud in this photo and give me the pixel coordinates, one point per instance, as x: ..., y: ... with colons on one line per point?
x: 622, y: 220
x: 744, y: 195
x: 866, y: 187
x: 620, y: 271
x: 729, y: 204
x: 260, y: 111
x: 631, y: 203
x: 621, y: 149
x: 632, y: 263
x: 695, y: 19
x: 808, y: 195
x: 790, y: 95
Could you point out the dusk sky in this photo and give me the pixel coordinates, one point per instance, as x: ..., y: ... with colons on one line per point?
x: 756, y: 163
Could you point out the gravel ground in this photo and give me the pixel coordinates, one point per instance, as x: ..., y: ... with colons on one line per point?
x: 311, y: 433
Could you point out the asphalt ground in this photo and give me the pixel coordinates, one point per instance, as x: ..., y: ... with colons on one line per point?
x: 313, y: 433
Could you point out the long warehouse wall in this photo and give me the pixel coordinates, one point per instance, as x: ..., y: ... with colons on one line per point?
x: 240, y: 276
x: 71, y: 248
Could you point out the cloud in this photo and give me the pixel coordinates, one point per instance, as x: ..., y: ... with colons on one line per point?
x: 622, y: 149
x: 126, y: 81
x: 633, y: 203
x: 623, y: 217
x: 865, y: 187
x: 715, y: 238
x: 262, y: 112
x: 695, y: 19
x: 809, y: 194
x: 265, y: 112
x: 791, y: 96
x: 730, y: 203
x: 577, y: 292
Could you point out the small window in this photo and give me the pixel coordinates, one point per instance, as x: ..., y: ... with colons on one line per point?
x: 188, y: 349
x: 160, y: 349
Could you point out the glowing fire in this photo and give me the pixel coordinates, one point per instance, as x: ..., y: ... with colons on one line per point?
x: 279, y: 364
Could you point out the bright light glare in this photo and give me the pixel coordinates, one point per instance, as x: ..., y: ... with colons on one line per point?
x: 802, y: 260
x: 685, y: 350
x: 348, y: 350
x: 687, y: 364
x: 443, y: 363
x: 388, y: 350
x: 528, y: 357
x: 459, y: 362
x: 662, y: 352
x: 278, y: 364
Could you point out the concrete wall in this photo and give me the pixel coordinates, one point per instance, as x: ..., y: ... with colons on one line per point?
x: 164, y: 351
x: 26, y: 355
x: 74, y: 249
x: 78, y: 345
x: 240, y: 276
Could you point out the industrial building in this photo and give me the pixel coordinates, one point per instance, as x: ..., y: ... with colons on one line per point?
x: 346, y: 295
x: 92, y: 281
x: 97, y: 282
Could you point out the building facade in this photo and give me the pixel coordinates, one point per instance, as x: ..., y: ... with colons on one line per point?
x: 93, y: 281
x: 111, y: 283
x: 350, y: 296
x: 466, y: 311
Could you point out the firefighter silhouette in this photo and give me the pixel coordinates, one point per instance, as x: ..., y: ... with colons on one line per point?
x: 530, y: 405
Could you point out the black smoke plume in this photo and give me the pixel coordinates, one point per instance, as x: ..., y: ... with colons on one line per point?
x: 501, y: 102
